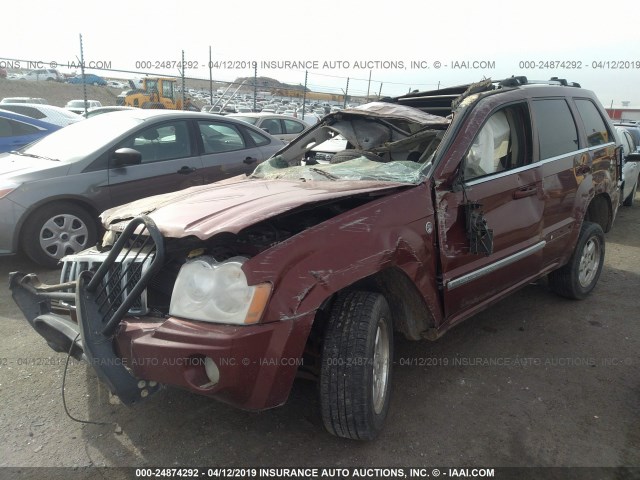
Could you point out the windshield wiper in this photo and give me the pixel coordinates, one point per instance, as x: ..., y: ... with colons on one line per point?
x: 324, y: 174
x: 33, y: 155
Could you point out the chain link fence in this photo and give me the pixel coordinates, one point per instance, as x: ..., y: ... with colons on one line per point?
x: 187, y: 84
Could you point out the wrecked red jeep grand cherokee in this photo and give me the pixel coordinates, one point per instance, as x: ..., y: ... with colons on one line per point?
x: 442, y: 203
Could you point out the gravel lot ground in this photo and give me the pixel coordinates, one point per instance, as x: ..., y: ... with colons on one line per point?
x: 563, y: 390
x: 57, y: 94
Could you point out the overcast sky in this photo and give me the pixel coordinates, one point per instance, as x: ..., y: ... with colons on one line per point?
x: 593, y: 39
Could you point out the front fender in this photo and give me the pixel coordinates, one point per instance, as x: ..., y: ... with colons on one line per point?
x: 308, y: 268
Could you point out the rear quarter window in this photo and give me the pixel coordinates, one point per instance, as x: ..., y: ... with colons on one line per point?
x: 596, y: 128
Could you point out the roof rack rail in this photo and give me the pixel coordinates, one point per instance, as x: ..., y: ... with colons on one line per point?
x: 514, y: 81
x: 554, y: 81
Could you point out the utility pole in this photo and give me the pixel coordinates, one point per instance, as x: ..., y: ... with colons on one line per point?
x: 210, y: 77
x: 344, y: 105
x: 304, y: 93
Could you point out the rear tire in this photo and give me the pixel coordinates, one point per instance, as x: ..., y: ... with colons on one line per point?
x: 579, y: 277
x: 56, y: 230
x: 357, y: 359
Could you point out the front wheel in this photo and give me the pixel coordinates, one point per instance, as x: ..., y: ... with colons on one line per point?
x: 357, y: 359
x: 578, y: 277
x: 57, y: 230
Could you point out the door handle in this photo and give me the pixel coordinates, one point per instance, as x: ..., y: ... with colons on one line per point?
x: 525, y: 192
x: 186, y: 170
x: 250, y: 160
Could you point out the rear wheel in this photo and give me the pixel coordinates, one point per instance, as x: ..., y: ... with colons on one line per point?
x: 578, y: 277
x: 57, y: 230
x: 357, y: 359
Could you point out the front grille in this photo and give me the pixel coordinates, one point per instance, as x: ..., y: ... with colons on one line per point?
x: 118, y: 281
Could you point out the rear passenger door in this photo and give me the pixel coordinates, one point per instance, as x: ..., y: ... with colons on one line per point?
x: 227, y: 150
x: 563, y: 164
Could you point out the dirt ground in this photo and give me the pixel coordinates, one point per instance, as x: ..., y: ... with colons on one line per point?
x: 57, y: 94
x: 562, y: 389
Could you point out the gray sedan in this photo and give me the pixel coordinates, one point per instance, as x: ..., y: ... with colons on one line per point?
x: 52, y: 191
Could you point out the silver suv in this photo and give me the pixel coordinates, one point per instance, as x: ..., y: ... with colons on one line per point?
x: 43, y: 74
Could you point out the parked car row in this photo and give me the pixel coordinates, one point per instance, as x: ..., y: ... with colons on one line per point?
x: 52, y: 74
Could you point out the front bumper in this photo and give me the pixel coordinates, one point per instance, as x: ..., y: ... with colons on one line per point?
x: 135, y: 356
x: 257, y: 364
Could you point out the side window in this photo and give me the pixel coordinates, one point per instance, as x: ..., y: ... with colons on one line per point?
x: 557, y: 132
x: 597, y: 131
x: 5, y: 128
x: 28, y: 111
x: 257, y: 138
x: 502, y: 143
x: 272, y: 126
x: 167, y: 89
x: 218, y: 137
x: 627, y: 143
x: 20, y: 128
x: 161, y: 142
x: 291, y: 126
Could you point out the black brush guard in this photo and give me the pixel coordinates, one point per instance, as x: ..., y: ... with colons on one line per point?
x: 100, y: 306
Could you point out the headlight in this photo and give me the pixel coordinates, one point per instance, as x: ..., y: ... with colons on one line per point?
x: 217, y: 292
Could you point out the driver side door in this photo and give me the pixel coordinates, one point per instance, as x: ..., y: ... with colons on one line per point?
x: 490, y: 220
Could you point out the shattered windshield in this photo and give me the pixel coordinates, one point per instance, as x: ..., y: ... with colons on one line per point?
x: 374, y: 142
x: 360, y: 168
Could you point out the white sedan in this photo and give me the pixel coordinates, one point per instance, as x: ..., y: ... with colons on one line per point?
x: 630, y: 168
x: 46, y: 113
x: 283, y: 127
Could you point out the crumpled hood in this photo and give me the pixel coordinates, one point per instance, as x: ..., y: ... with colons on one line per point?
x: 233, y: 204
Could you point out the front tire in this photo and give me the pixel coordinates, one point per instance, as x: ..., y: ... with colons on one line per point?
x: 57, y: 230
x: 357, y: 359
x: 579, y: 277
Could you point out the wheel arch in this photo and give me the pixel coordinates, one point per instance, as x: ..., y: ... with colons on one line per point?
x: 410, y: 314
x: 600, y: 211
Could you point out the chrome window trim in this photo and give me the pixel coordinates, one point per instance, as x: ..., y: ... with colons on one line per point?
x: 481, y: 272
x: 504, y: 173
x: 535, y: 164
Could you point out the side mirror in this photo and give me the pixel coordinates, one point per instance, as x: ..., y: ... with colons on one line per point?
x: 126, y: 156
